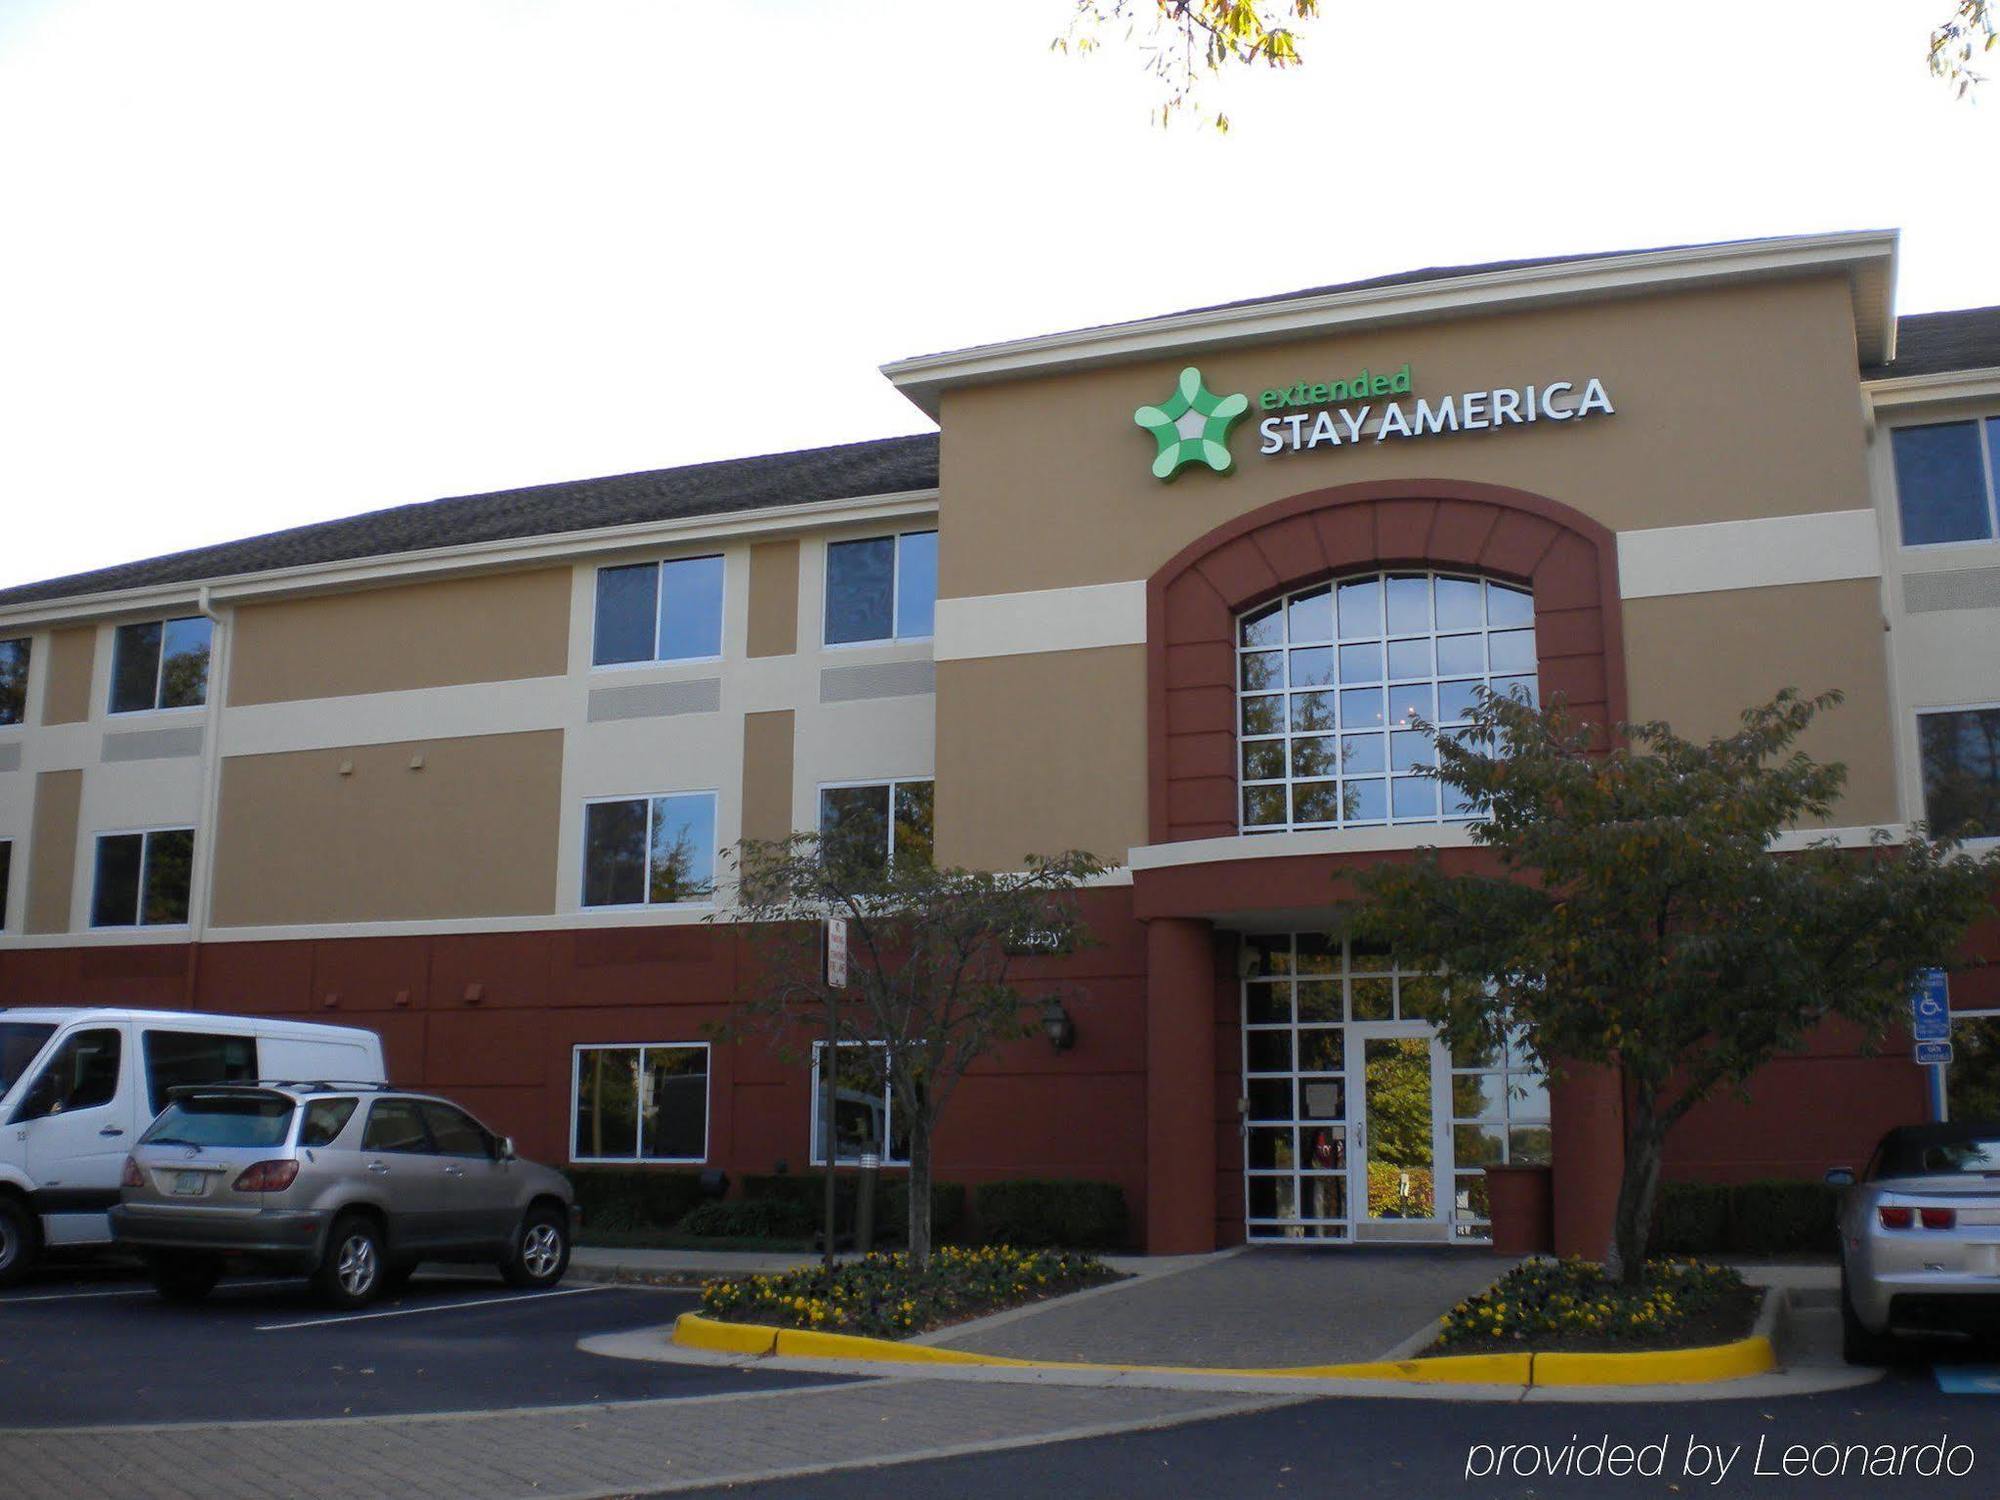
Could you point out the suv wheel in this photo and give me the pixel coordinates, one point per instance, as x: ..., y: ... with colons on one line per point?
x: 541, y: 1249
x: 185, y: 1278
x: 20, y: 1241
x: 350, y: 1274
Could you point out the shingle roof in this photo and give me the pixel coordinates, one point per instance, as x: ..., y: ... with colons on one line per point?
x: 885, y: 466
x: 1967, y: 338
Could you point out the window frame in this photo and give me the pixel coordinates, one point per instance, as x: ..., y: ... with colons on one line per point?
x: 27, y: 642
x: 1988, y: 458
x: 7, y: 843
x: 705, y: 903
x: 577, y: 1049
x: 895, y: 591
x: 892, y: 783
x: 1916, y: 719
x: 1338, y: 732
x: 159, y: 670
x: 815, y: 1157
x: 145, y: 866
x: 659, y: 595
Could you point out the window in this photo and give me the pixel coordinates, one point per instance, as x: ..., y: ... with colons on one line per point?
x: 325, y: 1119
x: 1499, y: 1115
x: 857, y: 821
x: 160, y: 664
x: 454, y: 1132
x: 21, y: 1042
x: 864, y: 1120
x: 666, y: 611
x: 1959, y: 749
x: 258, y: 1121
x: 396, y: 1125
x: 143, y: 879
x: 649, y: 851
x: 13, y: 681
x: 1944, y: 481
x: 645, y: 1103
x: 82, y: 1075
x: 881, y: 589
x: 1333, y: 680
x: 6, y: 875
x: 177, y: 1057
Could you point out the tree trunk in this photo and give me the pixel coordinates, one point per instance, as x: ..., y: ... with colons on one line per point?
x: 920, y: 1193
x: 1645, y: 1145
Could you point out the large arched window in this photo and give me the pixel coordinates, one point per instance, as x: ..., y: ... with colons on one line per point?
x: 1332, y: 680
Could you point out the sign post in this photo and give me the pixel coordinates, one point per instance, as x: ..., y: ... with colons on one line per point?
x: 1930, y: 1026
x: 829, y: 1073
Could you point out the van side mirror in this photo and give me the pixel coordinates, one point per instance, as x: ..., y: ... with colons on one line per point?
x: 1840, y: 1177
x: 506, y: 1148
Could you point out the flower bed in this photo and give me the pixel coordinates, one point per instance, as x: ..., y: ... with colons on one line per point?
x: 1569, y: 1305
x: 882, y: 1296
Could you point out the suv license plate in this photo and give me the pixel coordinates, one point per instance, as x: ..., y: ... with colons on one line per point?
x: 189, y: 1184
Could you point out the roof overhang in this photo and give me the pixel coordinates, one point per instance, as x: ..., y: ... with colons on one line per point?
x: 1866, y: 258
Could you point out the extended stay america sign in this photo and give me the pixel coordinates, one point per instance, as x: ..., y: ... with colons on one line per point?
x: 1194, y: 424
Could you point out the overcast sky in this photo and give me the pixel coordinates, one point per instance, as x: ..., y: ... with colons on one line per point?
x: 272, y: 261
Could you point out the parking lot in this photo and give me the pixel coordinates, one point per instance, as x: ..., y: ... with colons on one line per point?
x: 89, y: 1346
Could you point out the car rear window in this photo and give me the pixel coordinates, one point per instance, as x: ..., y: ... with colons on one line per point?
x: 222, y: 1120
x: 1969, y: 1155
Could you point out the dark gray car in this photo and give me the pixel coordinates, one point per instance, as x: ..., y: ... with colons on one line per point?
x: 350, y: 1184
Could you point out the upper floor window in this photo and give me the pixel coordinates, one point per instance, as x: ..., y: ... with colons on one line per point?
x: 880, y: 822
x: 1960, y: 752
x: 13, y: 681
x: 1944, y: 481
x: 1333, y: 680
x: 160, y: 664
x: 883, y: 588
x: 640, y: 851
x: 665, y: 611
x: 143, y: 879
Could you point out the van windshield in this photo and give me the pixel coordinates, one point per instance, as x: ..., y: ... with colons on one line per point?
x: 21, y: 1042
x: 222, y: 1120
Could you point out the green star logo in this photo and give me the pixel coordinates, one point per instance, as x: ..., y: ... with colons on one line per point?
x: 1192, y: 426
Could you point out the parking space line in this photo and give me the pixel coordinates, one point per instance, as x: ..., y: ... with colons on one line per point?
x: 130, y: 1291
x: 408, y: 1312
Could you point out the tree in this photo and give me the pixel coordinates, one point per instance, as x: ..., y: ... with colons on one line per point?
x: 1641, y: 919
x: 1969, y: 29
x: 932, y: 961
x: 1185, y: 38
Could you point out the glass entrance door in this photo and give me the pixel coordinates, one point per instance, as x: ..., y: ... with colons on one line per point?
x: 1400, y: 1146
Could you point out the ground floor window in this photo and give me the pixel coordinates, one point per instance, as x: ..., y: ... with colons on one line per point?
x: 864, y: 1115
x: 1972, y: 1082
x: 1358, y: 1124
x: 640, y: 1103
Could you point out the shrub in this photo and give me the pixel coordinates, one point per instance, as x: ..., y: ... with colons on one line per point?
x: 892, y: 1202
x: 1031, y: 1212
x: 883, y: 1296
x: 1782, y: 1218
x: 1690, y: 1218
x: 750, y: 1219
x: 1566, y: 1298
x: 627, y: 1198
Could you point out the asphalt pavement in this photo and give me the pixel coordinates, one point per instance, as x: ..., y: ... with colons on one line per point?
x: 102, y: 1349
x: 1363, y: 1449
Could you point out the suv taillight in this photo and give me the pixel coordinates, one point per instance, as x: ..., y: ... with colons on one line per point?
x: 1897, y: 1218
x: 1939, y: 1218
x: 130, y: 1176
x: 267, y: 1177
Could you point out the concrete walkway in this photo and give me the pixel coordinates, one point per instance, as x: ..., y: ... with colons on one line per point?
x: 1252, y: 1310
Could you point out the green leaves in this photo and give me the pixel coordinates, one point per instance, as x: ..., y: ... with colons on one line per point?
x: 1182, y: 39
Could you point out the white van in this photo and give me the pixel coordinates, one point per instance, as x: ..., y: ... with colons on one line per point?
x: 77, y: 1086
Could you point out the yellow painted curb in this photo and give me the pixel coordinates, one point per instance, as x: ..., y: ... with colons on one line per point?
x: 693, y: 1331
x: 1751, y: 1356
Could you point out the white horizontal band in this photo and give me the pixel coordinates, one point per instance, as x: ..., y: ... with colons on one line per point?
x: 1073, y: 619
x: 1773, y: 550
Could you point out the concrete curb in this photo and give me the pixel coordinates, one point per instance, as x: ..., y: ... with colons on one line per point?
x: 1715, y: 1364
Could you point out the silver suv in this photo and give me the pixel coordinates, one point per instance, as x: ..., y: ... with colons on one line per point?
x: 353, y: 1184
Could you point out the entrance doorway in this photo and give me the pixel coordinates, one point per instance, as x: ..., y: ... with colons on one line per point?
x: 1358, y: 1125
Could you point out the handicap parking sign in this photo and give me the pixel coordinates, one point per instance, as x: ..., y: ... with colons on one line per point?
x: 1968, y: 1380
x: 1930, y: 1008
